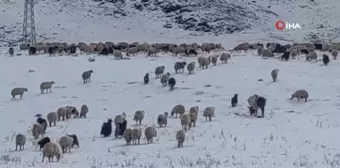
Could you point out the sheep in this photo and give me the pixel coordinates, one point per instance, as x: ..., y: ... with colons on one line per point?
x: 209, y: 112
x: 311, y: 56
x: 325, y: 59
x: 185, y: 121
x: 37, y: 130
x: 261, y: 103
x: 50, y: 150
x: 11, y: 51
x: 180, y: 137
x: 178, y: 109
x: 259, y: 51
x: 66, y: 142
x: 191, y: 67
x: 274, y: 74
x: 224, y: 57
x: 106, y: 128
x: 83, y: 110
x: 69, y: 111
x: 204, y: 62
x: 334, y: 53
x: 193, y: 112
x: 139, y: 116
x: 242, y: 46
x: 42, y: 122
x: 75, y: 139
x: 179, y: 66
x: 119, y: 119
x: 128, y: 136
x: 152, y: 51
x: 136, y: 135
x: 214, y: 60
x: 300, y: 94
x: 18, y: 91
x: 61, y: 113
x: 172, y: 83
x: 164, y: 79
x: 86, y: 76
x: 146, y: 78
x: 52, y: 117
x: 293, y: 52
x: 162, y: 119
x: 159, y: 71
x: 20, y: 141
x: 267, y: 53
x: 117, y: 54
x: 132, y: 50
x: 178, y: 50
x: 46, y: 86
x: 43, y: 141
x: 120, y: 129
x: 234, y: 100
x: 150, y: 133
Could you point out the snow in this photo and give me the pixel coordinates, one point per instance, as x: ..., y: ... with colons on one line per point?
x: 292, y: 134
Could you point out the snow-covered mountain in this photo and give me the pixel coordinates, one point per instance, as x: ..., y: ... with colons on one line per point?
x: 120, y: 20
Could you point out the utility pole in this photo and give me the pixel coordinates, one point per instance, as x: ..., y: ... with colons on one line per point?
x: 29, y: 36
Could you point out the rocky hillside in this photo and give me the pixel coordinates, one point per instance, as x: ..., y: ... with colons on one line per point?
x: 64, y: 19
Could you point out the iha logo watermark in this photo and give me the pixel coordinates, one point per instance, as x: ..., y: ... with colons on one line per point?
x: 282, y: 25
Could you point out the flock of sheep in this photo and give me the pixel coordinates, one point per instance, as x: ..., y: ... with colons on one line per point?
x: 187, y: 120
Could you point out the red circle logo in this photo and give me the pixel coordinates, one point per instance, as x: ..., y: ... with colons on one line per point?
x: 280, y: 25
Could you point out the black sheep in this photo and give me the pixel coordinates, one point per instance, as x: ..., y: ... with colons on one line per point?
x: 279, y: 49
x: 285, y: 56
x: 304, y: 51
x: 234, y: 101
x: 261, y: 103
x: 172, y: 83
x: 72, y: 49
x: 252, y: 111
x: 110, y: 50
x: 43, y: 141
x: 146, y: 78
x: 120, y: 128
x: 190, y: 51
x: 11, y: 51
x: 325, y: 59
x: 51, y: 50
x: 105, y: 51
x: 32, y: 50
x: 106, y: 128
x: 75, y: 139
x: 318, y: 46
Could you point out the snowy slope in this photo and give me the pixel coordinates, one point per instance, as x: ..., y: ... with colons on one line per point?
x: 291, y: 135
x: 88, y: 20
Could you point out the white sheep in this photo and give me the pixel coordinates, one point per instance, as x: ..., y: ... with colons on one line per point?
x: 162, y: 119
x: 52, y: 117
x: 50, y: 150
x: 164, y: 79
x: 334, y: 53
x: 191, y: 67
x: 61, y: 113
x: 46, y: 86
x: 214, y: 59
x: 18, y: 91
x: 274, y: 74
x: 150, y: 133
x: 136, y: 135
x: 180, y: 137
x: 20, y: 141
x: 209, y: 112
x: 259, y: 50
x: 37, y: 130
x: 119, y: 119
x: 83, y: 110
x: 267, y: 53
x: 117, y: 55
x: 128, y: 135
x: 224, y: 57
x: 185, y: 121
x: 193, y: 112
x: 300, y: 94
x: 139, y: 116
x: 178, y: 109
x: 66, y: 142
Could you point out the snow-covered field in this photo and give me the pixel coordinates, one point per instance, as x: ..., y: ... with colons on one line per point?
x: 291, y: 135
